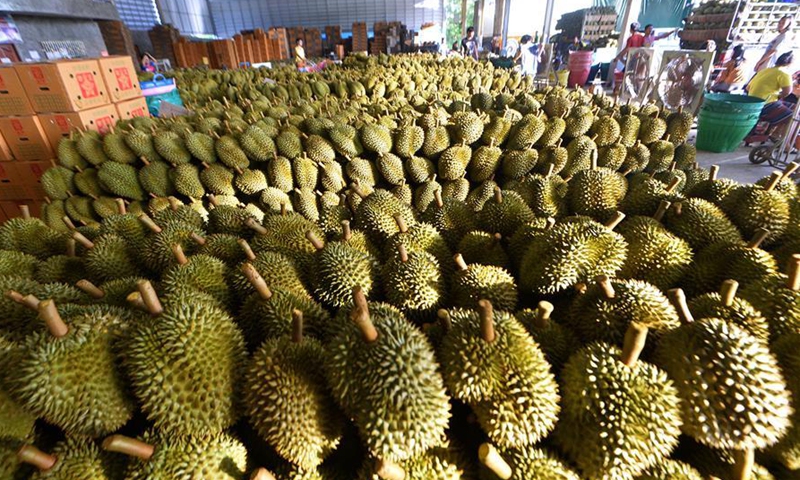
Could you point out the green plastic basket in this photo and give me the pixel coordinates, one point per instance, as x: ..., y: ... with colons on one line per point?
x: 725, y: 120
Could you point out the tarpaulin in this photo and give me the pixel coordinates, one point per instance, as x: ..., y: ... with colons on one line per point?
x: 661, y: 13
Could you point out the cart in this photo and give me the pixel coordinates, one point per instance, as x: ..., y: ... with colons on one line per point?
x: 782, y: 152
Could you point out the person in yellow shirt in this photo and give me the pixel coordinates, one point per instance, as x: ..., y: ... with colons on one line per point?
x: 299, y: 54
x: 773, y: 85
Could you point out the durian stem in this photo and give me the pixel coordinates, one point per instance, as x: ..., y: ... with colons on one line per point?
x: 71, y: 245
x: 80, y: 238
x: 678, y: 208
x: 743, y: 464
x: 550, y: 222
x: 315, y: 240
x: 497, y: 237
x: 728, y: 292
x: 673, y: 185
x: 49, y: 313
x: 174, y: 203
x: 297, y: 326
x: 633, y: 344
x: 198, y: 239
x: 490, y: 457
x: 90, y: 288
x: 26, y: 212
x: 149, y: 297
x: 437, y: 195
x: 401, y: 223
x: 460, y: 263
x: 121, y: 208
x: 550, y: 167
x: 790, y: 169
x: 593, y: 163
x: 212, y: 199
x: 347, y: 233
x: 773, y: 181
x: 498, y: 195
x: 257, y: 281
x: 605, y: 285
x: 388, y: 470
x: 360, y: 315
x: 673, y: 166
x: 128, y: 446
x: 248, y: 252
x: 401, y: 249
x: 254, y: 225
x: 678, y: 300
x: 759, y: 237
x: 543, y: 312
x: 149, y: 223
x: 713, y: 172
x: 177, y: 252
x: 793, y: 273
x: 135, y: 299
x: 28, y: 301
x: 283, y: 209
x: 33, y: 456
x: 486, y: 312
x: 662, y: 210
x: 261, y: 474
x: 444, y: 319
x: 615, y: 219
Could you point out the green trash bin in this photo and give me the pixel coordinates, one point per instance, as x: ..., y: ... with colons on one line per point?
x: 725, y: 120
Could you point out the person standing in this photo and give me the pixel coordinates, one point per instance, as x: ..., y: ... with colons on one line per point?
x: 635, y: 40
x: 773, y: 85
x: 651, y: 38
x: 299, y: 54
x: 778, y: 43
x: 469, y: 45
x: 528, y: 55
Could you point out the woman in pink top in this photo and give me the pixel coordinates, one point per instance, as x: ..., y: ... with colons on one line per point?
x: 650, y: 38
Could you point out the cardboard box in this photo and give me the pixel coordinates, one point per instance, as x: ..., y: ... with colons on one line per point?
x: 26, y: 138
x: 11, y: 185
x: 13, y: 99
x: 60, y: 125
x: 5, y: 151
x: 120, y: 78
x: 29, y: 174
x: 133, y: 108
x: 63, y: 86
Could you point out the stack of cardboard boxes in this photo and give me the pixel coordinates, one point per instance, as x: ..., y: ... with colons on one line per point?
x: 41, y: 103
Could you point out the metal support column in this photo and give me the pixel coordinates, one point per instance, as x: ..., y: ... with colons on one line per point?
x: 463, y: 18
x: 477, y: 19
x: 506, y: 9
x: 548, y: 20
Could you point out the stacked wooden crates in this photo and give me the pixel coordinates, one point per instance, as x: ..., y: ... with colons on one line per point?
x: 378, y: 45
x: 360, y: 39
x: 190, y: 54
x: 117, y: 38
x: 222, y: 53
x: 313, y: 40
x: 333, y: 37
x: 162, y: 37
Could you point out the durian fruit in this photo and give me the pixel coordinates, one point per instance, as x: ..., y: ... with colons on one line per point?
x: 655, y: 255
x: 607, y: 130
x: 362, y: 171
x: 279, y: 174
x: 554, y: 155
x: 390, y: 167
x: 340, y: 267
x: 685, y: 155
x: 199, y: 273
x: 217, y: 179
x: 525, y: 132
x: 376, y: 138
x: 753, y: 207
x: 504, y: 213
x: 556, y: 104
x: 57, y: 183
x: 331, y: 176
x: 719, y: 368
x: 440, y: 462
x: 250, y: 181
x: 452, y: 218
x: 777, y: 297
x: 607, y: 308
x: 229, y: 219
x: 178, y: 212
x: 68, y: 154
x: 201, y: 146
x: 156, y: 252
x: 187, y: 181
x: 718, y: 463
x: 408, y: 139
x: 155, y: 178
x: 580, y: 152
x: 526, y: 463
x: 142, y: 145
x: 646, y: 194
x: 596, y: 192
x: 497, y: 129
x: 516, y: 164
x: 485, y: 248
x: 745, y: 263
x: 110, y: 257
x: 257, y: 144
x: 713, y: 189
x: 557, y: 341
x: 484, y: 162
x: 90, y: 146
x: 306, y: 172
x: 74, y: 457
x: 413, y: 282
x: 466, y: 127
x: 476, y: 282
x: 700, y: 223
x: 170, y: 146
x: 662, y: 153
x: 185, y: 365
x: 785, y: 349
x: 230, y: 152
x: 670, y: 470
x: 612, y: 156
x: 345, y: 140
x: 726, y: 306
x: 18, y: 264
x: 652, y: 129
x: 572, y: 252
x: 619, y: 415
x: 161, y: 455
x: 87, y: 183
x: 376, y: 215
x: 68, y: 374
x: 545, y: 194
x: 578, y: 121
x: 679, y: 124
x: 668, y: 176
x: 453, y: 162
x: 356, y: 369
x: 286, y: 234
x: 637, y: 158
x: 121, y: 180
x: 629, y: 126
x: 553, y: 130
x: 287, y: 400
x: 457, y: 189
x: 16, y: 423
x: 490, y: 362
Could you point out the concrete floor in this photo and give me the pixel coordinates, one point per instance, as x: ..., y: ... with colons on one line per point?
x: 736, y: 165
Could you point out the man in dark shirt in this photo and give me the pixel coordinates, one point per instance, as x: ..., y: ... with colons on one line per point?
x: 469, y: 45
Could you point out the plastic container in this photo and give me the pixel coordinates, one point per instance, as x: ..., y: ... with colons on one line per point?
x: 580, y: 63
x: 725, y: 120
x: 160, y: 89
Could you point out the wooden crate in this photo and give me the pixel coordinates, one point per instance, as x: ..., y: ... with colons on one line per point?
x: 162, y: 37
x: 280, y: 43
x: 360, y: 39
x: 117, y: 38
x: 333, y: 37
x: 223, y: 54
x: 313, y: 39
